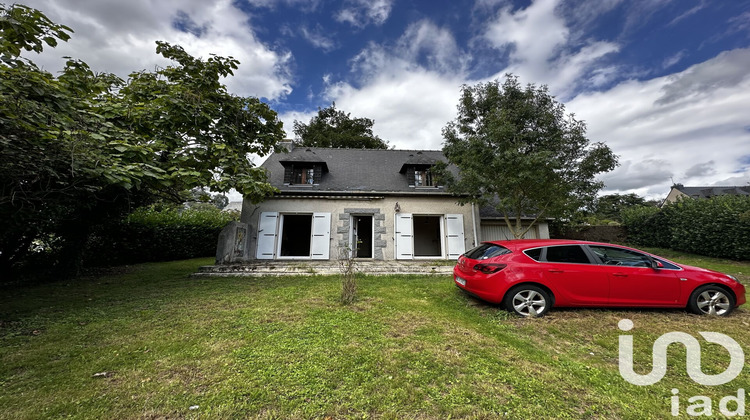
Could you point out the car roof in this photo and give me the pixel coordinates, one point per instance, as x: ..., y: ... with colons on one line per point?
x: 514, y: 244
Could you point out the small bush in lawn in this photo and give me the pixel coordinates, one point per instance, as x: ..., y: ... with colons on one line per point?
x: 348, y: 279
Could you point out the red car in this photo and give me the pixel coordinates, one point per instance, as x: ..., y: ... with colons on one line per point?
x: 529, y: 276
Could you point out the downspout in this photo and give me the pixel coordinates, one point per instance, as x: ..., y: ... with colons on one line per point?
x: 474, y: 224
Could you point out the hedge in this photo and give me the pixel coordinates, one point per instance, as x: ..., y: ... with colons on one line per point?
x: 717, y: 227
x: 153, y: 234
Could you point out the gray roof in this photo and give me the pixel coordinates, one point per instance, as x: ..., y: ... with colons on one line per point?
x: 355, y: 170
x: 708, y: 192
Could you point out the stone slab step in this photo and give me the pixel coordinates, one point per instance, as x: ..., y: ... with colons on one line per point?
x: 323, y: 268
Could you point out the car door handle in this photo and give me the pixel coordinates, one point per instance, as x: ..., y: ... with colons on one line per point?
x: 619, y: 275
x: 555, y: 271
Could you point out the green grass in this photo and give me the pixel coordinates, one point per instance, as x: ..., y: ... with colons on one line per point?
x: 411, y: 347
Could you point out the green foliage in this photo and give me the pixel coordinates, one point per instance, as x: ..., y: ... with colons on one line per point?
x: 609, y: 207
x: 199, y: 197
x: 83, y: 147
x: 335, y: 128
x: 647, y: 226
x: 716, y: 227
x: 157, y: 234
x: 25, y: 29
x: 517, y: 150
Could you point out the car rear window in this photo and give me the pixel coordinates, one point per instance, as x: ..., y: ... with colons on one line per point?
x: 484, y: 251
x: 534, y: 254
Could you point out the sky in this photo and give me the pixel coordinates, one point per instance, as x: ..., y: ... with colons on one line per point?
x: 664, y: 83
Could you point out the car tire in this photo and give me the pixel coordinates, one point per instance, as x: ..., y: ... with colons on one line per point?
x: 711, y: 300
x: 528, y: 301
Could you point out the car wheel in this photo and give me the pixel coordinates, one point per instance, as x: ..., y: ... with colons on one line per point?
x: 528, y: 301
x: 711, y: 300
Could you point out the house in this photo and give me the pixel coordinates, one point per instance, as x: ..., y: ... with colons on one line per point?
x: 378, y: 204
x: 679, y: 191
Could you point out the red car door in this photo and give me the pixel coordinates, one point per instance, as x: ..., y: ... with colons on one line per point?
x: 632, y: 280
x: 574, y: 278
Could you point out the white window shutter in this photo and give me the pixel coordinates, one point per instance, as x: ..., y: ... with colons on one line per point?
x: 267, y: 224
x: 321, y: 240
x: 404, y: 237
x: 455, y: 233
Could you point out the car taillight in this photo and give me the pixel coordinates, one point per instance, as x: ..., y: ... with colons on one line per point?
x: 488, y: 268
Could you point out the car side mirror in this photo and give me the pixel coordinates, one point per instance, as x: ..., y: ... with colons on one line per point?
x: 656, y: 264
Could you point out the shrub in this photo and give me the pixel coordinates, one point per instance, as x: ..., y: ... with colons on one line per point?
x: 717, y: 227
x: 157, y: 234
x: 648, y: 226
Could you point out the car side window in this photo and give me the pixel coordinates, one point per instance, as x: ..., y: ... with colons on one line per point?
x: 573, y: 254
x: 610, y: 255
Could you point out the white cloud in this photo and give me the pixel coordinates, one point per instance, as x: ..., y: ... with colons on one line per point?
x: 318, y: 39
x: 119, y: 37
x: 727, y: 70
x: 409, y: 102
x: 674, y: 59
x: 360, y: 13
x: 702, y: 121
x: 688, y: 13
x: 409, y: 107
x: 701, y: 169
x: 633, y: 175
x: 437, y: 45
x: 542, y: 49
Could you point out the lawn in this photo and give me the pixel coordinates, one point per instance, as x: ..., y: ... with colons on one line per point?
x: 149, y: 341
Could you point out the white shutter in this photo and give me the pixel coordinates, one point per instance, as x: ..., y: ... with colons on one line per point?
x: 321, y: 240
x: 455, y: 233
x: 404, y: 237
x: 267, y: 224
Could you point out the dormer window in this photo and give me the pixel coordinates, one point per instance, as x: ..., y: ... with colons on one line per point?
x: 303, y: 168
x: 303, y: 176
x: 417, y: 169
x: 423, y: 178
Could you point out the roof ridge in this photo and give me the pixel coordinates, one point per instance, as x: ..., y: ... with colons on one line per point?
x: 364, y: 149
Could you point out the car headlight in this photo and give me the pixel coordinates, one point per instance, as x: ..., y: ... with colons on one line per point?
x: 733, y: 278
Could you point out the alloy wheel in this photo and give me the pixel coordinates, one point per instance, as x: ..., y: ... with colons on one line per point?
x: 529, y: 303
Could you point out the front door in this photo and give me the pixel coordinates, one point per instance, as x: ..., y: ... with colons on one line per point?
x: 362, y: 236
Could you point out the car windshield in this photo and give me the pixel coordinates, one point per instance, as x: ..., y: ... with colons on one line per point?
x: 484, y: 251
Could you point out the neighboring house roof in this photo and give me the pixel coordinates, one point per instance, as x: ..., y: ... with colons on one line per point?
x: 708, y: 192
x: 355, y: 170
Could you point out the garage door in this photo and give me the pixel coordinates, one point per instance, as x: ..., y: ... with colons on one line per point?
x: 500, y: 231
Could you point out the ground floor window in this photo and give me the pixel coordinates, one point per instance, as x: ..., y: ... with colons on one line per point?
x: 296, y: 232
x: 427, y: 236
x: 293, y: 235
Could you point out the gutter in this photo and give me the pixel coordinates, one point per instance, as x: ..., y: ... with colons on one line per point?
x: 367, y: 193
x: 474, y: 224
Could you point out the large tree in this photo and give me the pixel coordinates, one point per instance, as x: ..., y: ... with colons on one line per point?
x: 82, y: 146
x: 518, y: 151
x: 335, y: 128
x: 609, y: 207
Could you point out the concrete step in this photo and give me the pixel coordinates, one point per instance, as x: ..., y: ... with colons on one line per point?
x: 296, y: 268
